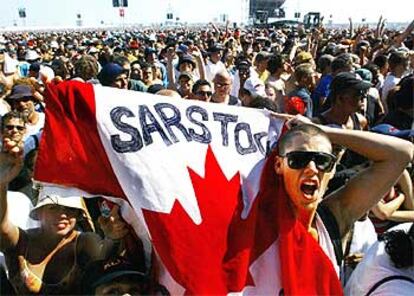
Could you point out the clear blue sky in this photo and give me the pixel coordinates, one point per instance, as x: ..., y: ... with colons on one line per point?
x: 63, y: 12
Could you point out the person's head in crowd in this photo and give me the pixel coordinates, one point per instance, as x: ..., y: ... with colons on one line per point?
x: 222, y: 86
x: 136, y: 71
x: 260, y: 61
x: 276, y: 65
x: 401, y: 98
x: 182, y: 50
x: 297, y: 147
x: 202, y: 90
x: 324, y: 64
x: 398, y: 63
x: 150, y: 55
x: 375, y: 72
x: 113, y: 75
x: 215, y: 53
x: 185, y: 82
x: 117, y: 276
x: 270, y: 92
x: 400, y: 247
x: 304, y: 57
x: 252, y: 87
x: 13, y: 126
x: 32, y: 56
x: 243, y: 68
x: 186, y: 63
x: 157, y: 73
x: 246, y: 45
x: 60, y: 215
x: 382, y: 62
x: 86, y: 68
x: 168, y: 93
x: 260, y: 102
x: 59, y: 66
x: 364, y: 74
x: 363, y: 46
x: 154, y: 88
x: 342, y: 63
x: 22, y: 100
x: 305, y: 75
x: 348, y: 92
x: 147, y: 74
x: 34, y: 70
x: 124, y: 63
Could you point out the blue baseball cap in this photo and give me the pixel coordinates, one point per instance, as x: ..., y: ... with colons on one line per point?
x: 388, y: 129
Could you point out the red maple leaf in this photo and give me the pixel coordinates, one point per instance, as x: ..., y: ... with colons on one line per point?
x: 213, y: 257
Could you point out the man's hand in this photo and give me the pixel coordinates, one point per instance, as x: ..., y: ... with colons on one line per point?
x: 298, y: 120
x: 353, y: 259
x: 114, y: 227
x: 170, y: 54
x: 11, y: 161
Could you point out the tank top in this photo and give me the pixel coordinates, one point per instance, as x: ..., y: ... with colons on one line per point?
x: 24, y: 275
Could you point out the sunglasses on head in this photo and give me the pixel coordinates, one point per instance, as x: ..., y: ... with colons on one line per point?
x: 324, y: 162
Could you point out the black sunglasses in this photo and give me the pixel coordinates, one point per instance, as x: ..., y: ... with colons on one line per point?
x: 11, y: 127
x: 204, y: 93
x: 300, y: 159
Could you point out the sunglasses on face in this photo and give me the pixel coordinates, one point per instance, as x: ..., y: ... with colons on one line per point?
x: 204, y: 93
x: 300, y: 159
x: 11, y: 127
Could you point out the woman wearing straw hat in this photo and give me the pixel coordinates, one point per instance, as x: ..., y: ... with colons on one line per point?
x: 49, y: 259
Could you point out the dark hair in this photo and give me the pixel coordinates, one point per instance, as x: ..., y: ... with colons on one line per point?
x: 200, y: 83
x: 340, y: 62
x: 275, y: 63
x: 59, y: 67
x: 120, y: 60
x: 307, y: 130
x: 260, y: 102
x: 399, y: 246
x: 397, y: 58
x: 374, y: 69
x: 401, y: 96
x: 325, y: 61
x: 10, y: 115
x: 381, y: 60
x: 86, y: 67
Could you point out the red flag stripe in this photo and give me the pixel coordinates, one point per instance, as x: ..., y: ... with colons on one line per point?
x: 78, y: 159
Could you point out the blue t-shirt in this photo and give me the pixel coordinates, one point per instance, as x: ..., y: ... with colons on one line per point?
x: 304, y: 94
x: 321, y: 91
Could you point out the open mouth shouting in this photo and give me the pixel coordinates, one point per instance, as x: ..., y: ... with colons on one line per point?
x: 309, y: 188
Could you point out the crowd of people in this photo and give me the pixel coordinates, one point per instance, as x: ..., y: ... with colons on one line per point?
x: 346, y: 161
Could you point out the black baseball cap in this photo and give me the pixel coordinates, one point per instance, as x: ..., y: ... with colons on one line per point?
x: 105, y: 271
x: 346, y: 80
x: 215, y: 48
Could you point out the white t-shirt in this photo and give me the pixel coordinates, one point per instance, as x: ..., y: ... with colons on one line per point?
x: 213, y: 69
x: 364, y: 236
x: 376, y: 266
x: 326, y: 243
x: 389, y: 83
x: 35, y: 128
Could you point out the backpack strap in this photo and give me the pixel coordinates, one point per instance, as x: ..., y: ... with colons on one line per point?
x: 388, y: 279
x: 332, y: 227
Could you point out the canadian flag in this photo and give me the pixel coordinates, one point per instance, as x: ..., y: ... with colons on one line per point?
x: 197, y: 180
